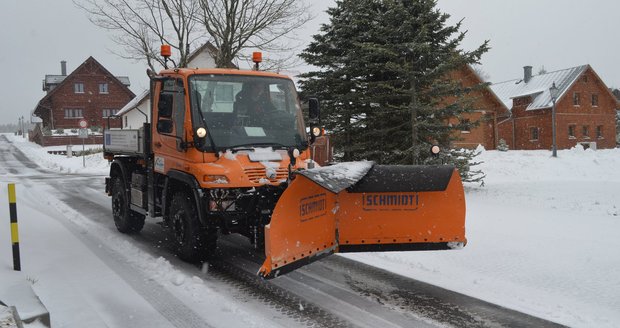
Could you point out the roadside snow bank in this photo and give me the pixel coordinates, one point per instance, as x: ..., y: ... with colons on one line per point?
x: 95, y: 164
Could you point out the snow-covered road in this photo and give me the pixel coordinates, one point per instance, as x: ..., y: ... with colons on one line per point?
x: 530, y: 249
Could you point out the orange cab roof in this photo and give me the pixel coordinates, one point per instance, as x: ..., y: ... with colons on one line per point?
x: 222, y: 71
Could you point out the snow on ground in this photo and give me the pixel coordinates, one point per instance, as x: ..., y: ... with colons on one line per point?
x: 542, y: 239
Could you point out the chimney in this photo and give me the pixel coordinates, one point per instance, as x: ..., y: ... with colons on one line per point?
x: 63, y: 68
x: 527, y: 73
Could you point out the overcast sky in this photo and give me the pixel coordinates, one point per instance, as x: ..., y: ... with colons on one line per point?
x: 37, y: 34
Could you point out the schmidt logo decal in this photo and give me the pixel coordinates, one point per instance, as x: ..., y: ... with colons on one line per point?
x: 390, y: 202
x: 312, y: 207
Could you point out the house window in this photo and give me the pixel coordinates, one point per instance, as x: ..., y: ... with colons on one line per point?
x: 78, y: 88
x: 584, y: 79
x: 73, y: 113
x: 103, y: 88
x: 594, y: 100
x: 571, y: 131
x: 599, y: 132
x: 586, y: 131
x: 576, y: 99
x: 465, y: 126
x: 109, y: 112
x: 533, y: 134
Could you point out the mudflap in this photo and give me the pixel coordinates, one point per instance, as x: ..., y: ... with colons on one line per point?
x: 362, y: 207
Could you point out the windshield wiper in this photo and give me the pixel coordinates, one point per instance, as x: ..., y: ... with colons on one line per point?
x: 250, y: 146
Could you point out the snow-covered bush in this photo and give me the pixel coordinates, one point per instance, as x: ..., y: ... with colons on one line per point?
x: 60, y: 131
x: 502, y: 146
x: 46, y: 131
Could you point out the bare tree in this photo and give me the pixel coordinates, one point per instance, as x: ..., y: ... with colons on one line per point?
x: 141, y: 26
x: 238, y: 25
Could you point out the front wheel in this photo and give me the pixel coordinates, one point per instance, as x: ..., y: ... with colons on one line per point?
x: 126, y: 220
x: 193, y: 243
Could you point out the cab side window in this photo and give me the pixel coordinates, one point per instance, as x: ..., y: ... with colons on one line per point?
x: 171, y: 107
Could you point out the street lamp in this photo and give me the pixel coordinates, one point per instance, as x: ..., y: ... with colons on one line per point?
x: 554, y: 97
x: 20, y: 129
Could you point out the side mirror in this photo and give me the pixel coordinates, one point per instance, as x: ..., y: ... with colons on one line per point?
x: 164, y: 107
x: 165, y: 126
x: 314, y: 108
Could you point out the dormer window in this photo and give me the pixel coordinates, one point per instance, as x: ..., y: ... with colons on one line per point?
x: 78, y: 88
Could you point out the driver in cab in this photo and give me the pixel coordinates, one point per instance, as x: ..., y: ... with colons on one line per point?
x: 252, y: 103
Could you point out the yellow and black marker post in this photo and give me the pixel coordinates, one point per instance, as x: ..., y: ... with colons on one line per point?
x: 14, y: 232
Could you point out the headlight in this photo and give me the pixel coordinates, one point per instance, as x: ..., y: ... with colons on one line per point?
x: 201, y: 132
x: 316, y: 131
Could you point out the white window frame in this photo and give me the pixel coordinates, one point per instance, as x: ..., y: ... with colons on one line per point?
x: 109, y: 112
x: 78, y: 87
x: 532, y: 128
x: 103, y: 88
x: 74, y: 113
x: 585, y: 131
x: 594, y: 96
x: 574, y: 135
x: 576, y: 99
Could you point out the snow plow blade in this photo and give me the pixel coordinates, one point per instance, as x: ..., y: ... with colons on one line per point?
x: 362, y: 207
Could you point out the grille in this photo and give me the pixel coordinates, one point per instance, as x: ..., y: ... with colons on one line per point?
x: 256, y: 174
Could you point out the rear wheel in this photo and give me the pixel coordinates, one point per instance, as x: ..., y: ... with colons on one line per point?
x: 126, y: 220
x: 193, y: 242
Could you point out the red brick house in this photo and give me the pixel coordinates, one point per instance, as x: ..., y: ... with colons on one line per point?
x: 585, y: 110
x: 488, y: 109
x: 90, y: 92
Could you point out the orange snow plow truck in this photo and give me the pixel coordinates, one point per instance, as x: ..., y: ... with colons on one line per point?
x: 227, y: 151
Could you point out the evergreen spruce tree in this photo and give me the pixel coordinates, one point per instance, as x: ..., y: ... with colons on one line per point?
x: 384, y: 80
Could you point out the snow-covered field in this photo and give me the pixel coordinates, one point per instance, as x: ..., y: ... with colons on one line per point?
x: 542, y: 239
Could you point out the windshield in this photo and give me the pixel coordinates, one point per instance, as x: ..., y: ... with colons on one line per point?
x: 246, y: 111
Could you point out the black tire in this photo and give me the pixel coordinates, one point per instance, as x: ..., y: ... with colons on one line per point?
x: 126, y: 220
x: 192, y: 242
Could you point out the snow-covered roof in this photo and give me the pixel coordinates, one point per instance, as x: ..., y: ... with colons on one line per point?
x: 135, y: 102
x: 538, y: 87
